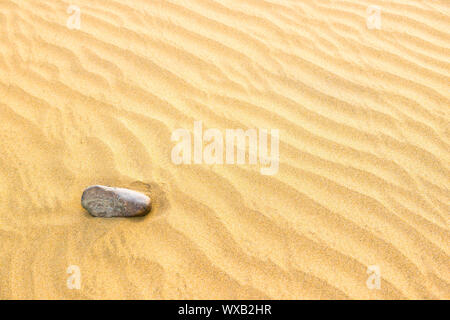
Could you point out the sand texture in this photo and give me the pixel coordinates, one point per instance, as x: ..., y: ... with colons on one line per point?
x: 364, y: 148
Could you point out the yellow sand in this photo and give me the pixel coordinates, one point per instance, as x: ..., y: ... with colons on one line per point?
x: 364, y: 128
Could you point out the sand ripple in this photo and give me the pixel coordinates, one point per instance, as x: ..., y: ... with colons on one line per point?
x: 364, y: 172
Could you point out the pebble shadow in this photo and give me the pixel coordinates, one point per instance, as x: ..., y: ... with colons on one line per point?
x: 157, y: 195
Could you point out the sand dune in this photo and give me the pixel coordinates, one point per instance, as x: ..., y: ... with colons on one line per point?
x: 364, y: 153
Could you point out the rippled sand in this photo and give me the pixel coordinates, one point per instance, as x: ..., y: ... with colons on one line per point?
x: 364, y: 126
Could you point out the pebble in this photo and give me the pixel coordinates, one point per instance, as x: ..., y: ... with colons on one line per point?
x: 107, y: 202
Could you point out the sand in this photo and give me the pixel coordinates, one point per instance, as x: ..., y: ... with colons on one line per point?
x: 363, y: 180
